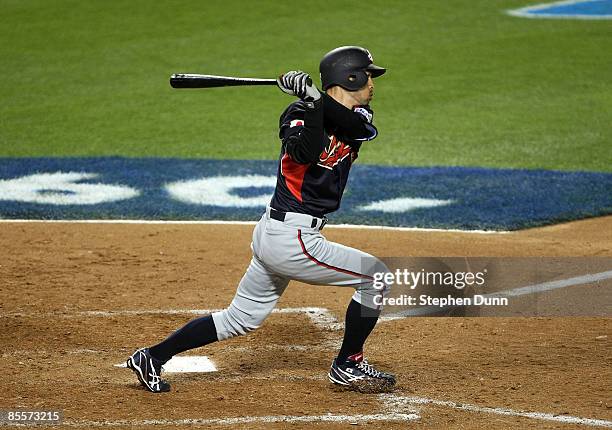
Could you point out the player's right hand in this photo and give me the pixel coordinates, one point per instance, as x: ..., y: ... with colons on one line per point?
x: 298, y: 83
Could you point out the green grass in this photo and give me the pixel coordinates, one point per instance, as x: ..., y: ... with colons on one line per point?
x: 467, y: 85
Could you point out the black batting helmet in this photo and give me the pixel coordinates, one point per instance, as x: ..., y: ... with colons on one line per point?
x: 346, y: 66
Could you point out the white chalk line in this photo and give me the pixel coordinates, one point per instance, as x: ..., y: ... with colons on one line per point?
x: 398, y: 408
x: 393, y: 410
x: 589, y: 278
x: 247, y: 420
x: 321, y: 317
x: 566, y: 419
x: 43, y: 353
x: 515, y: 292
x: 251, y: 223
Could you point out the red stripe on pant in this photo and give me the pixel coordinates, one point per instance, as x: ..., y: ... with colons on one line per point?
x: 328, y: 266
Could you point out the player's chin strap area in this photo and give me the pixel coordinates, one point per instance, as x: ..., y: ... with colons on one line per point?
x: 296, y: 219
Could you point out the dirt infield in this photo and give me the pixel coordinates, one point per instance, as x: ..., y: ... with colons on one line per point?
x: 453, y: 372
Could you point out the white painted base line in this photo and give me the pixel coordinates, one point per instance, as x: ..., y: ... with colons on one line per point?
x: 252, y: 223
x: 589, y: 278
x: 188, y: 364
x: 396, y: 408
x: 247, y: 420
x: 321, y: 317
x: 566, y: 419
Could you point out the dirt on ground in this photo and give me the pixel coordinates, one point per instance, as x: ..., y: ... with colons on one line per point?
x: 58, y: 354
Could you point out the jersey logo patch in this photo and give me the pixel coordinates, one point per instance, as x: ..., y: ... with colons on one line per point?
x: 335, y: 152
x: 296, y: 122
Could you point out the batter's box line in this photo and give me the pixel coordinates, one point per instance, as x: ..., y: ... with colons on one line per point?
x: 397, y: 408
x: 320, y: 317
x: 392, y: 410
x: 247, y: 420
x: 565, y: 419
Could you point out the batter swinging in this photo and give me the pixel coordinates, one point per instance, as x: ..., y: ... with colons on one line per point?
x: 321, y: 135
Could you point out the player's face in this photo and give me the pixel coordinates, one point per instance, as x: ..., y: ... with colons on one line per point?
x: 350, y: 99
x: 365, y: 94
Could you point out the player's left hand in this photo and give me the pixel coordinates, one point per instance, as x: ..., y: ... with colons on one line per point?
x: 366, y: 113
x: 367, y: 116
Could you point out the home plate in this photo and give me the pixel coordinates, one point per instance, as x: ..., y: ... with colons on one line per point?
x: 189, y: 364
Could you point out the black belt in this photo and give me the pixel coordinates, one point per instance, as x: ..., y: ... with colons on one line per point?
x: 280, y: 216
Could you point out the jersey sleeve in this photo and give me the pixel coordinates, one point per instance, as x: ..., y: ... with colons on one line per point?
x: 353, y: 125
x: 301, y: 131
x: 291, y: 121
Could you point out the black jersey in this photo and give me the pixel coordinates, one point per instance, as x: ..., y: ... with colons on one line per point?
x: 320, y: 144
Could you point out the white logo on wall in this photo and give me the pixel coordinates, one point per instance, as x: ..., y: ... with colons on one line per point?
x: 62, y: 188
x: 403, y: 204
x: 217, y: 191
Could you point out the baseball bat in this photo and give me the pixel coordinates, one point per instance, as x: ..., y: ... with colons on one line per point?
x: 192, y: 80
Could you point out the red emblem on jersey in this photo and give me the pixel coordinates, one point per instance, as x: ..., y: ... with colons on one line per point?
x: 335, y: 152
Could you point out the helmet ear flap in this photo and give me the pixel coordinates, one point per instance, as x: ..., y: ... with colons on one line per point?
x: 356, y: 81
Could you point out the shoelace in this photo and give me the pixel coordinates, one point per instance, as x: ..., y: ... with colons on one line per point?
x: 155, y: 378
x: 368, y: 369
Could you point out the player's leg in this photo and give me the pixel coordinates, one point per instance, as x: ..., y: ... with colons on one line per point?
x: 305, y: 255
x: 331, y: 263
x: 255, y: 298
x: 334, y: 264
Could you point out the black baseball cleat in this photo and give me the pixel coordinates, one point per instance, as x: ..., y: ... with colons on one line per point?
x: 148, y: 369
x: 356, y: 374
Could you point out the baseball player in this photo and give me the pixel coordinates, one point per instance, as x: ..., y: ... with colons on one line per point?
x: 321, y: 134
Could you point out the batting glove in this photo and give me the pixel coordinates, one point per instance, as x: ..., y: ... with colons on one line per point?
x: 365, y: 112
x: 285, y: 82
x: 298, y: 83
